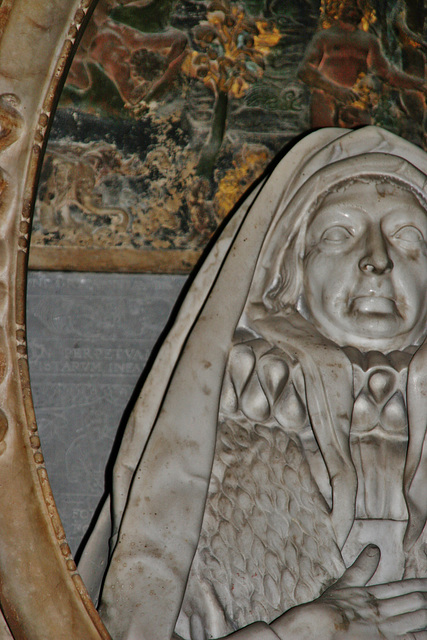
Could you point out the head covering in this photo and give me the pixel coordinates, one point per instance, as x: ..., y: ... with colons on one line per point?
x: 288, y: 230
x: 163, y: 469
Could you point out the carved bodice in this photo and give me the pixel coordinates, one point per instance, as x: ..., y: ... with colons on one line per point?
x: 379, y: 433
x: 260, y: 550
x: 378, y: 447
x: 270, y: 486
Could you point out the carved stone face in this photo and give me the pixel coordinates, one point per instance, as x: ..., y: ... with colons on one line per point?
x: 365, y: 267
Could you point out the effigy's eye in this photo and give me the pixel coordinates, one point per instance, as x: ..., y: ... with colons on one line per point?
x: 336, y: 234
x: 409, y: 234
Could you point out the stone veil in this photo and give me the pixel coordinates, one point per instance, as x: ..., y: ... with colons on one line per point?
x: 139, y: 557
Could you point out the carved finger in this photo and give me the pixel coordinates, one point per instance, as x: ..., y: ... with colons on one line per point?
x: 399, y: 588
x: 402, y: 604
x: 406, y: 623
x: 362, y: 569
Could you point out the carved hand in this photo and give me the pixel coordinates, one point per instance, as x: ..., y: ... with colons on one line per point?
x: 349, y: 610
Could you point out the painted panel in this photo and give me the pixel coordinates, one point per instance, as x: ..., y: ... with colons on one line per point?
x: 172, y: 109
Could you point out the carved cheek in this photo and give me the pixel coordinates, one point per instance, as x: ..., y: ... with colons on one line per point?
x: 316, y: 263
x: 322, y: 270
x: 410, y: 286
x: 410, y: 274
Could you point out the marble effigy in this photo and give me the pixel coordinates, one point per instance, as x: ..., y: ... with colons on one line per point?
x: 271, y: 481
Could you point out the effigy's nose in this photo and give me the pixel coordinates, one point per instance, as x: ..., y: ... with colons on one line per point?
x: 375, y: 258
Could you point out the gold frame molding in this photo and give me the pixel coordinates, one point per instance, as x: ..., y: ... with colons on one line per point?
x: 42, y: 596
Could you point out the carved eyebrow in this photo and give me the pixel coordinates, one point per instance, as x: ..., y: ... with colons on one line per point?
x: 342, y: 206
x: 411, y: 217
x: 336, y: 214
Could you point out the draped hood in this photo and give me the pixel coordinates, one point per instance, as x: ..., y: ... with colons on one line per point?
x: 143, y: 544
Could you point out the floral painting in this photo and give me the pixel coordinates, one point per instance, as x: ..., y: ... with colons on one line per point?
x: 173, y: 108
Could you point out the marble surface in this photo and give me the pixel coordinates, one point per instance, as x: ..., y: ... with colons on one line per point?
x: 271, y: 479
x: 89, y: 337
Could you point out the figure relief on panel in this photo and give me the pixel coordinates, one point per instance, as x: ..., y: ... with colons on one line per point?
x: 348, y: 70
x: 142, y: 64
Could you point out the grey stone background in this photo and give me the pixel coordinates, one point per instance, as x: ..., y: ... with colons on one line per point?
x: 89, y: 337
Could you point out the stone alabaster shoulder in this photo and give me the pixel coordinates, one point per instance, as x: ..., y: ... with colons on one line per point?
x: 271, y: 479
